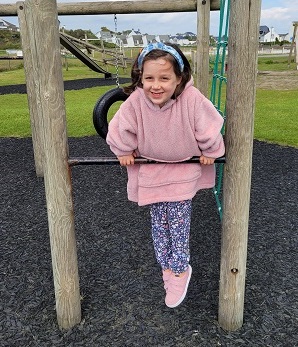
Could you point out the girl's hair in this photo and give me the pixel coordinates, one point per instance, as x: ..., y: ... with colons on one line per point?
x: 136, y: 73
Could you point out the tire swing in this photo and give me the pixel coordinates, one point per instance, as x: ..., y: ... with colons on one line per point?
x: 101, y: 109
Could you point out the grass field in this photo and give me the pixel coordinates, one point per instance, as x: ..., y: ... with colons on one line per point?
x: 276, y: 117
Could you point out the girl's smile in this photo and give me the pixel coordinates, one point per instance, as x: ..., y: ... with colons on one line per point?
x: 159, y: 81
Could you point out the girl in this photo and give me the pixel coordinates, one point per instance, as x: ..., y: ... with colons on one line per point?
x: 168, y: 120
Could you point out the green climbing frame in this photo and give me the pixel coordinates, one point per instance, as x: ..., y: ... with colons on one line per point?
x: 218, y: 88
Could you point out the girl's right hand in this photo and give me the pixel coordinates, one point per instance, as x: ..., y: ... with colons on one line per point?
x: 126, y: 160
x: 206, y: 160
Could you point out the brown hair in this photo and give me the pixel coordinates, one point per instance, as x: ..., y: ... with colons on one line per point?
x: 136, y: 73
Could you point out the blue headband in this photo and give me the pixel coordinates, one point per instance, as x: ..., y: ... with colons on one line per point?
x: 163, y: 47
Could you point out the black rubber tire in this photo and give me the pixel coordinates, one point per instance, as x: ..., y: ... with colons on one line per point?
x: 101, y: 109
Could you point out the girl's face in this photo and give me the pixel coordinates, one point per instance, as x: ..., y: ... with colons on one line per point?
x: 159, y: 80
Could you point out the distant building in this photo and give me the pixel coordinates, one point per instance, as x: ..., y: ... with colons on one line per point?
x: 267, y: 34
x: 284, y: 37
x: 106, y: 36
x: 4, y: 25
x: 135, y: 38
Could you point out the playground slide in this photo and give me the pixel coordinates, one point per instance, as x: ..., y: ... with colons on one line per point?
x: 68, y: 44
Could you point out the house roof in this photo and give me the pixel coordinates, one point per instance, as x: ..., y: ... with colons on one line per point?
x: 7, y: 25
x: 164, y: 38
x: 150, y: 37
x: 105, y: 34
x: 138, y: 39
x: 189, y: 33
x: 264, y: 29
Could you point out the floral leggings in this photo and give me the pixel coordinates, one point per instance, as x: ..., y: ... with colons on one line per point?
x: 170, y: 223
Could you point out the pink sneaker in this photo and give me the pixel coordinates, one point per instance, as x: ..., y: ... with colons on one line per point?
x: 166, y: 277
x: 177, y: 288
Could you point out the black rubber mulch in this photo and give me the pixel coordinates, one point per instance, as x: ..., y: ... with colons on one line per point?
x: 68, y: 85
x: 120, y: 282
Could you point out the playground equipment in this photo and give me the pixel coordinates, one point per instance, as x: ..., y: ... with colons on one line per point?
x: 115, y: 161
x: 294, y: 40
x: 66, y: 41
x: 41, y: 46
x: 110, y: 57
x: 101, y: 109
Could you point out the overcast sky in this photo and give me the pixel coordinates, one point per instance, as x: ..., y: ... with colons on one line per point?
x: 275, y: 13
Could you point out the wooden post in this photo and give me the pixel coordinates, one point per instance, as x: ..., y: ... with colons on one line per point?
x: 241, y: 89
x: 295, y: 34
x: 32, y: 73
x: 203, y: 23
x: 296, y: 47
x: 43, y: 38
x: 295, y: 37
x: 194, y: 61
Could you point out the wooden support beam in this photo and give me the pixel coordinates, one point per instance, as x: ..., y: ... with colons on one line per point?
x: 294, y: 42
x: 203, y: 24
x: 41, y: 21
x: 240, y: 105
x: 32, y: 76
x: 119, y: 7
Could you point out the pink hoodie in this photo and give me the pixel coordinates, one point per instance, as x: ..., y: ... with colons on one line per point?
x: 186, y: 127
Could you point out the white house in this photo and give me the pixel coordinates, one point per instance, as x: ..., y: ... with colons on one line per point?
x: 269, y: 35
x: 136, y: 39
x: 284, y: 37
x: 106, y: 36
x: 4, y: 25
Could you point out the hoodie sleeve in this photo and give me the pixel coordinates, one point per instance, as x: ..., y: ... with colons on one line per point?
x: 121, y: 136
x: 208, y: 125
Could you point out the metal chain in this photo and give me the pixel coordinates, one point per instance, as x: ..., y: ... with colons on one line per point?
x: 117, y: 59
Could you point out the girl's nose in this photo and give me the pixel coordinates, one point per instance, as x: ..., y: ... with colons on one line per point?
x: 156, y: 85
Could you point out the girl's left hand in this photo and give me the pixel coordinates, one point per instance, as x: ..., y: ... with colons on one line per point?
x: 126, y: 160
x: 206, y: 160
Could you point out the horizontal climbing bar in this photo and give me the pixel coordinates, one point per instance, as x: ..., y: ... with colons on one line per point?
x: 138, y: 160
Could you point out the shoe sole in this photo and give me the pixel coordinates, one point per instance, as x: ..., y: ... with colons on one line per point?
x: 185, y: 290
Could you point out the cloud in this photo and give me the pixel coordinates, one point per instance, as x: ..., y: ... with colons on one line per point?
x: 276, y: 13
x: 280, y: 17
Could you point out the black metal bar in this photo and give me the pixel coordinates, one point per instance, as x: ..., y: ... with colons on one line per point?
x: 138, y: 160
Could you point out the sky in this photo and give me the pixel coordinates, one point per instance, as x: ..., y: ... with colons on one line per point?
x: 275, y: 13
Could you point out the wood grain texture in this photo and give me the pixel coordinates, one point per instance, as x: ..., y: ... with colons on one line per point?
x: 119, y: 7
x: 41, y: 23
x: 241, y: 89
x: 203, y: 24
x: 32, y: 73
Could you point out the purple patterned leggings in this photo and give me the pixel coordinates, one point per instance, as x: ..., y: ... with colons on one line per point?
x: 170, y: 223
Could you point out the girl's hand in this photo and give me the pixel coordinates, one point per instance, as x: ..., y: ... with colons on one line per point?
x: 126, y: 160
x: 206, y: 160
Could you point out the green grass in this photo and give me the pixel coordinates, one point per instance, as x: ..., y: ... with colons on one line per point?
x: 274, y: 63
x: 80, y: 115
x: 12, y: 77
x: 275, y: 119
x: 15, y: 121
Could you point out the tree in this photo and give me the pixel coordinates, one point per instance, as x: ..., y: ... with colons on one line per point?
x: 80, y: 34
x: 9, y: 39
x: 105, y: 29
